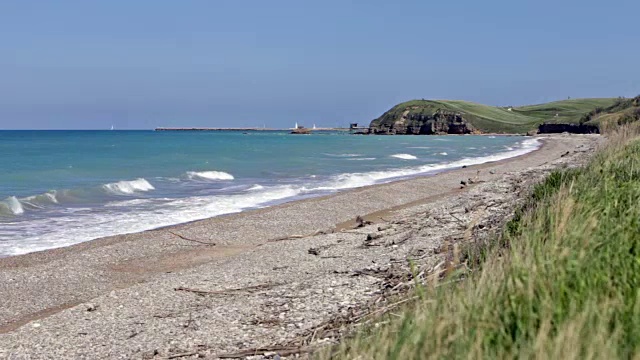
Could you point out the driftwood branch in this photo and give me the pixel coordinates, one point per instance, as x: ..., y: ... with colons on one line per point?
x: 176, y: 356
x: 282, y: 351
x: 227, y: 291
x: 293, y: 237
x: 192, y: 240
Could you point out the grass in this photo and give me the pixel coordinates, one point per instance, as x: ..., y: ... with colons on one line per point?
x: 563, y: 282
x: 500, y: 119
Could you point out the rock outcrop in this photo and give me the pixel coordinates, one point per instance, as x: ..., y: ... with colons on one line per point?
x: 420, y: 120
x: 549, y: 128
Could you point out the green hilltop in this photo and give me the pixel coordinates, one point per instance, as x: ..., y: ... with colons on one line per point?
x: 491, y: 119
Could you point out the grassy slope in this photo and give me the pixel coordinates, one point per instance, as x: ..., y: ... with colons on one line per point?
x: 499, y: 119
x: 569, y: 111
x: 563, y: 283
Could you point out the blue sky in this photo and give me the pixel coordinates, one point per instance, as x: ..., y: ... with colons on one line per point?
x: 89, y: 64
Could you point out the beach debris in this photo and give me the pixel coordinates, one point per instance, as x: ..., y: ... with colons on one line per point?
x: 293, y: 237
x: 92, y: 307
x: 275, y: 352
x: 314, y: 251
x: 192, y: 240
x: 360, y: 222
x: 248, y: 289
x: 492, y: 171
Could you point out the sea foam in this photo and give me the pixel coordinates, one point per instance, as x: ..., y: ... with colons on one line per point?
x: 11, y: 206
x: 128, y: 187
x: 209, y: 175
x: 404, y: 156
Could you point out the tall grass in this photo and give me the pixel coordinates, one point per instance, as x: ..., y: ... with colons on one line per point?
x: 563, y: 282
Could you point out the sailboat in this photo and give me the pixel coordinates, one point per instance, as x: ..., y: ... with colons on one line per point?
x: 296, y: 126
x: 111, y: 127
x: 314, y: 126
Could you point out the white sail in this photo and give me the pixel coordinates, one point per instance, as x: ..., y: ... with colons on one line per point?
x: 314, y: 126
x: 295, y: 127
x: 111, y: 127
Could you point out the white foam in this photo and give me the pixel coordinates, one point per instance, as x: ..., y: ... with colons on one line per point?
x: 128, y: 187
x: 404, y: 156
x: 12, y: 206
x: 256, y: 187
x: 352, y: 180
x: 362, y: 159
x: 209, y: 175
x: 127, y: 203
x: 54, y: 232
x: 443, y: 153
x: 48, y: 197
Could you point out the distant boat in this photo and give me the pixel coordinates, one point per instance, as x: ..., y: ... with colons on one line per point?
x: 111, y: 127
x: 314, y: 126
x: 296, y: 126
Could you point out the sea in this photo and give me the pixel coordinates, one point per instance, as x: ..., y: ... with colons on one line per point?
x: 59, y: 188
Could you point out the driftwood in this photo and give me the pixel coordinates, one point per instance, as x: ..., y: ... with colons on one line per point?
x: 249, y: 289
x: 294, y: 237
x: 192, y: 240
x: 280, y: 350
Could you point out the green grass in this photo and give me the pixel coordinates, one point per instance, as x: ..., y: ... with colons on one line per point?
x: 563, y: 282
x: 490, y: 119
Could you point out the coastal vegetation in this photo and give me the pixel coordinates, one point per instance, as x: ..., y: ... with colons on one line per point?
x: 412, y: 115
x: 562, y: 280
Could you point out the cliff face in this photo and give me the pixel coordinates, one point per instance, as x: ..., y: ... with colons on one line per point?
x: 420, y: 120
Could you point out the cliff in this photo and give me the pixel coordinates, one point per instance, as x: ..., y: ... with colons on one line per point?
x: 420, y: 119
x: 463, y: 117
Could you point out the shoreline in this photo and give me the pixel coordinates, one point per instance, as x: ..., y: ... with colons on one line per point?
x: 299, y: 197
x: 298, y: 253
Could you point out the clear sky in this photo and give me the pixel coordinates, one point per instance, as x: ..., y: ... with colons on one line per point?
x: 88, y: 64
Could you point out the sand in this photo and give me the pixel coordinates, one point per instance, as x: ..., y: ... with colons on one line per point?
x: 258, y: 279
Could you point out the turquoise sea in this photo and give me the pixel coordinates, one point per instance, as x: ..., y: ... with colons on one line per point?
x: 59, y: 188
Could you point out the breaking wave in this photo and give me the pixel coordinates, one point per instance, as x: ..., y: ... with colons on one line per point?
x: 11, y: 206
x: 209, y: 175
x: 128, y: 187
x: 404, y: 156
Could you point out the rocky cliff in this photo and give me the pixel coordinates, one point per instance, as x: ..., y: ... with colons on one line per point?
x: 420, y: 119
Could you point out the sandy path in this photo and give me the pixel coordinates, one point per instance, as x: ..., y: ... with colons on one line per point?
x: 115, y: 297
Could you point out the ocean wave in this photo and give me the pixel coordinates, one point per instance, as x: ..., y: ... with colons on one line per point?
x: 209, y: 175
x: 45, y: 198
x: 419, y: 147
x: 362, y: 159
x: 353, y: 180
x: 256, y: 187
x: 127, y: 203
x: 404, y: 156
x: 128, y: 187
x: 71, y: 229
x: 11, y: 206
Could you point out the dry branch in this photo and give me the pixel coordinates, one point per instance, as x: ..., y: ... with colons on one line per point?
x: 192, y: 240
